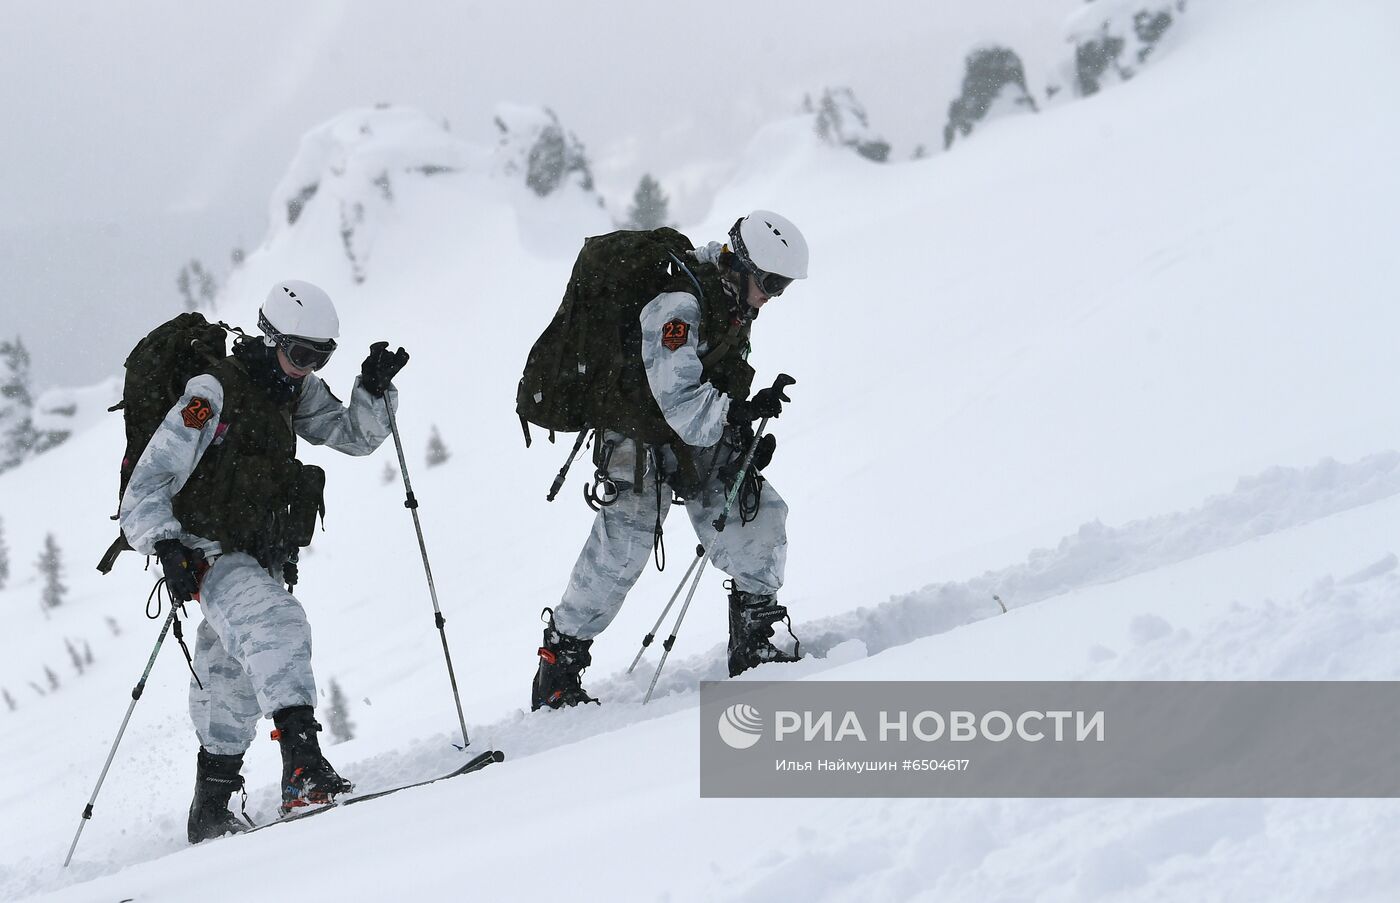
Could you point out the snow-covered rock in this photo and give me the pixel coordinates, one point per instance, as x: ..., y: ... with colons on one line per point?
x: 994, y: 85
x: 346, y: 172
x: 535, y: 147
x: 62, y: 413
x: 841, y: 121
x: 1112, y: 39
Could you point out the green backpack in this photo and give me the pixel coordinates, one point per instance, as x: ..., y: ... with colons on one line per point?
x: 585, y: 370
x: 586, y: 367
x: 586, y: 373
x: 157, y: 370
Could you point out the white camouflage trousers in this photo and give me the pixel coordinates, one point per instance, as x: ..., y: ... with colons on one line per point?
x: 618, y: 548
x: 252, y: 653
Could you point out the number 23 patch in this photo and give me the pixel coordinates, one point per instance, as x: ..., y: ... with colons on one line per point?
x: 674, y: 334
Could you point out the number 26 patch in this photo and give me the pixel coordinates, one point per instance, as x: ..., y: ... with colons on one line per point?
x: 197, y: 413
x: 674, y: 334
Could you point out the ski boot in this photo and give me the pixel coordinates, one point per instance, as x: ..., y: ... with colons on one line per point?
x: 751, y: 620
x: 216, y: 778
x: 307, y: 778
x: 562, y: 660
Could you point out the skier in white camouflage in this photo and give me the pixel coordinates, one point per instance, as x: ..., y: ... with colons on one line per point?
x: 220, y: 498
x: 696, y: 373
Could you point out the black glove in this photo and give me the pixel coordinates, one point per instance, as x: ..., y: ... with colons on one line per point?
x: 378, y: 370
x: 181, y: 566
x: 763, y: 453
x: 764, y: 403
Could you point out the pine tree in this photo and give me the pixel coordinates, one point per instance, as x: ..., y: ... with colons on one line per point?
x: 51, y: 569
x: 4, y: 557
x: 87, y: 653
x: 650, y: 207
x: 196, y: 286
x: 52, y: 678
x: 185, y: 286
x: 341, y: 727
x: 389, y: 473
x: 113, y: 626
x: 74, y: 656
x: 17, y: 436
x: 9, y: 700
x: 437, y: 450
x: 207, y: 287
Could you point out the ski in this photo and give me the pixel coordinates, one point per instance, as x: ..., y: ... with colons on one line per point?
x: 476, y: 764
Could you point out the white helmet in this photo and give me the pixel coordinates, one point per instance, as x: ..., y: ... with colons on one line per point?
x: 299, y: 318
x: 772, y: 247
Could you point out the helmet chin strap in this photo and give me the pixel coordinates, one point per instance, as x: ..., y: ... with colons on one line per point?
x: 736, y: 280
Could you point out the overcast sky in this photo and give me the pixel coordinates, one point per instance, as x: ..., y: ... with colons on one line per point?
x: 138, y: 135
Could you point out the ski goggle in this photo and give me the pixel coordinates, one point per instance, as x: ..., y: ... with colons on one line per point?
x: 304, y: 354
x: 772, y: 284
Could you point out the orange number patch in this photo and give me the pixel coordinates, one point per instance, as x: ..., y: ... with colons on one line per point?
x: 674, y: 334
x: 197, y: 413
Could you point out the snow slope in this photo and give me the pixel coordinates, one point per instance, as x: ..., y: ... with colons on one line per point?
x: 610, y: 794
x: 1101, y: 315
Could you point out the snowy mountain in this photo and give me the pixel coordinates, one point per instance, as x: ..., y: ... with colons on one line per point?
x: 1121, y: 363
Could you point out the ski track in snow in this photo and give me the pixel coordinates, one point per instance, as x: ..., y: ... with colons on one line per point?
x: 1275, y: 500
x: 1157, y: 849
x: 1308, y: 639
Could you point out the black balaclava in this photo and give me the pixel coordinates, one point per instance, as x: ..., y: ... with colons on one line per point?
x: 735, y: 279
x: 260, y: 360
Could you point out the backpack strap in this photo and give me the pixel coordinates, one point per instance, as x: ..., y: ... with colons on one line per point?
x: 726, y: 344
x: 731, y: 338
x: 699, y: 292
x: 109, y: 558
x: 563, y: 471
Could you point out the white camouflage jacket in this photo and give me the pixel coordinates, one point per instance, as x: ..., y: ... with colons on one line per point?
x: 177, y: 447
x: 695, y: 409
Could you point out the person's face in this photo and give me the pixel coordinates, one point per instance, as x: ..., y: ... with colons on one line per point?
x: 756, y: 297
x: 288, y: 367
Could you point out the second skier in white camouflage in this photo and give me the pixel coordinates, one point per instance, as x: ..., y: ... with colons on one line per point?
x: 219, y: 496
x: 694, y: 345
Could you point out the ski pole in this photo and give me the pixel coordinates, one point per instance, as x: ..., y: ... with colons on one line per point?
x: 646, y: 640
x: 782, y: 382
x: 411, y: 503
x: 779, y: 384
x: 135, y: 695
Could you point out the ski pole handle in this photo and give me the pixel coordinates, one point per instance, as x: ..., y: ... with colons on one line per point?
x: 779, y: 385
